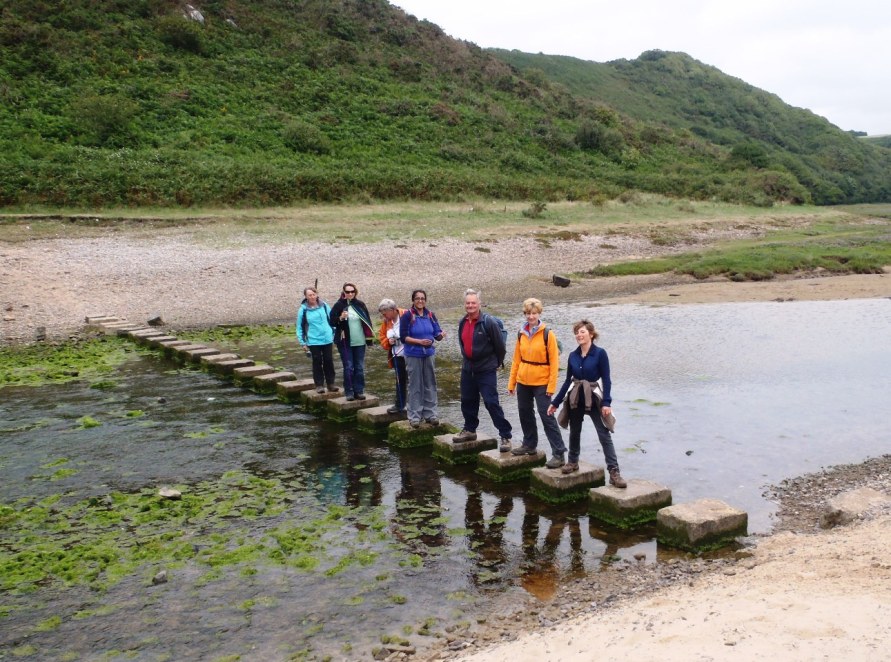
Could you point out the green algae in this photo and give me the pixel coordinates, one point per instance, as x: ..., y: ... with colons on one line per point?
x: 42, y: 364
x: 86, y: 422
x: 221, y: 334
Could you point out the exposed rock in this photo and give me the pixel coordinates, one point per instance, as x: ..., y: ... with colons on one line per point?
x: 848, y: 506
x: 155, y: 320
x: 160, y: 578
x: 194, y: 14
x: 170, y: 493
x: 560, y: 281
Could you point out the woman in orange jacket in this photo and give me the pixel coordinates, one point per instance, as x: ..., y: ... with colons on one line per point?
x: 388, y: 334
x: 533, y: 375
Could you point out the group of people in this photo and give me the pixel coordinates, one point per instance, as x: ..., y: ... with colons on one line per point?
x: 409, y: 336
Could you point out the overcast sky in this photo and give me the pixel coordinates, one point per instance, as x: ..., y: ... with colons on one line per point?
x: 832, y: 57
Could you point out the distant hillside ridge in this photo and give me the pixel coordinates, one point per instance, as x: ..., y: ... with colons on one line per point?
x: 277, y: 102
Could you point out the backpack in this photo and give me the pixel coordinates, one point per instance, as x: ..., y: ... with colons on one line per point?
x: 499, y: 323
x: 547, y: 332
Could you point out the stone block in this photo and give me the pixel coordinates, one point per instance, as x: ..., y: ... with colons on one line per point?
x: 377, y: 419
x: 402, y: 435
x: 341, y: 409
x: 553, y: 486
x: 100, y: 319
x: 463, y: 452
x: 290, y: 390
x: 228, y: 368
x: 700, y: 525
x: 504, y: 467
x: 627, y: 507
x: 245, y: 376
x: 155, y: 341
x: 318, y: 401
x: 195, y: 355
x: 143, y: 333
x: 267, y: 383
x: 208, y: 361
x: 184, y: 352
x: 169, y: 348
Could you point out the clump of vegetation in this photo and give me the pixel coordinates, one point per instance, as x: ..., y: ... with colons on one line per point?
x: 535, y: 210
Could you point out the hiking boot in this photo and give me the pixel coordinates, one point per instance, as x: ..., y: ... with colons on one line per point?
x: 615, y: 478
x: 350, y: 398
x: 504, y: 446
x: 524, y: 450
x: 570, y: 467
x: 395, y: 409
x: 333, y: 389
x: 555, y: 462
x: 360, y: 396
x: 415, y: 424
x: 433, y: 421
x: 464, y: 435
x: 320, y: 389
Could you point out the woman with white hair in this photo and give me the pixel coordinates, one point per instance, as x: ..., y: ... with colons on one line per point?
x: 388, y: 334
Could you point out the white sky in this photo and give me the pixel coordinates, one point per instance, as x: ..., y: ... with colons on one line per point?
x: 832, y: 57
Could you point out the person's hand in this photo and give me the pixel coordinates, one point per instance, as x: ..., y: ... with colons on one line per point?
x: 551, y: 410
x: 369, y: 341
x: 510, y: 391
x: 606, y: 411
x: 427, y: 342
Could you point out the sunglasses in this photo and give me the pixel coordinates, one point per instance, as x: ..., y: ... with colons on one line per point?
x: 349, y: 291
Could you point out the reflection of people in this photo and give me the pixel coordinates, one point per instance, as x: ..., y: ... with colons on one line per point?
x: 533, y: 375
x: 388, y: 334
x: 487, y: 541
x: 482, y: 347
x: 587, y: 364
x: 314, y: 332
x: 418, y: 328
x: 540, y: 575
x: 419, y: 520
x: 352, y: 332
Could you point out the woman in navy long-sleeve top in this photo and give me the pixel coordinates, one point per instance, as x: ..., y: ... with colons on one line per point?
x: 587, y: 364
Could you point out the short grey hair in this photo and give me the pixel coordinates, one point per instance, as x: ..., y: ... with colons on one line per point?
x: 472, y: 292
x: 387, y: 304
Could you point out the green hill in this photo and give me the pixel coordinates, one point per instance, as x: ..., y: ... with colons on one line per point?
x: 755, y: 125
x: 132, y: 102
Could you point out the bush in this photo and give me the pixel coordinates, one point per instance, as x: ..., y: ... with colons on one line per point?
x: 181, y: 33
x: 599, y: 138
x: 106, y: 120
x: 305, y: 138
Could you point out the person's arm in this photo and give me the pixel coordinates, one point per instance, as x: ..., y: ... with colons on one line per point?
x: 299, y: 330
x: 553, y: 354
x: 603, y: 365
x: 514, y: 368
x: 382, y: 335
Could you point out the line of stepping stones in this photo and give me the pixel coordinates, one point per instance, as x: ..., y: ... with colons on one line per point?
x: 695, y: 526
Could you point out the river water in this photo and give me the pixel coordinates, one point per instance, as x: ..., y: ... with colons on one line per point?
x: 713, y: 400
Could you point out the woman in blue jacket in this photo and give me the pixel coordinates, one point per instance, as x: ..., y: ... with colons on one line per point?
x: 418, y: 328
x: 587, y: 365
x: 314, y: 332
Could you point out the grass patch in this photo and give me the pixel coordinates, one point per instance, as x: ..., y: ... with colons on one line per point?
x: 838, y: 248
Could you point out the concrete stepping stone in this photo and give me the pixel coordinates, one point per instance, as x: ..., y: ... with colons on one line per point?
x: 627, y: 507
x: 143, y: 332
x: 210, y: 359
x: 553, y: 486
x: 184, y: 352
x: 402, y: 435
x: 155, y: 341
x: 341, y: 409
x: 377, y: 419
x: 195, y: 355
x: 700, y: 525
x: 504, y: 467
x: 462, y: 452
x: 100, y: 319
x: 169, y: 347
x: 290, y: 390
x: 318, y: 402
x: 267, y: 383
x: 228, y: 368
x: 245, y: 376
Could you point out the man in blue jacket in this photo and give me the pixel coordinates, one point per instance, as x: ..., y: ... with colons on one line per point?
x: 483, y: 350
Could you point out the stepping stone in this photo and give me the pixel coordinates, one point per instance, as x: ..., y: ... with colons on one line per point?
x: 290, y: 390
x: 402, y: 435
x: 169, y: 347
x: 340, y: 409
x: 700, y: 525
x: 155, y: 341
x: 627, y: 507
x: 267, y: 383
x: 143, y: 332
x: 503, y: 467
x: 100, y: 319
x: 317, y: 401
x: 553, y: 486
x: 228, y: 368
x: 183, y: 352
x: 377, y: 419
x: 210, y: 359
x: 462, y: 452
x: 245, y: 376
x: 195, y: 355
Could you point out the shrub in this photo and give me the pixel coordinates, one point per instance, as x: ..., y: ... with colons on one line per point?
x: 535, y: 210
x: 181, y: 33
x: 305, y: 138
x: 599, y: 138
x: 105, y: 120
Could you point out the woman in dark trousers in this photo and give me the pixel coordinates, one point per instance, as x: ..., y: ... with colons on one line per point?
x: 352, y: 334
x: 587, y: 364
x: 314, y: 332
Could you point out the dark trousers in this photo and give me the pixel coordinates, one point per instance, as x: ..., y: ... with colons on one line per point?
x: 530, y: 398
x: 576, y: 417
x: 401, y: 381
x: 322, y: 364
x: 485, y: 384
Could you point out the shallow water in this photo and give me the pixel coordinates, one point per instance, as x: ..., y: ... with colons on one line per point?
x: 712, y: 401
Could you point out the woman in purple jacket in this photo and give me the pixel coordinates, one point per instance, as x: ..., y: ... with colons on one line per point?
x: 418, y: 329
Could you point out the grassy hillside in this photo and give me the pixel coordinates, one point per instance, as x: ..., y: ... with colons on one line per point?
x: 756, y: 126
x: 132, y: 102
